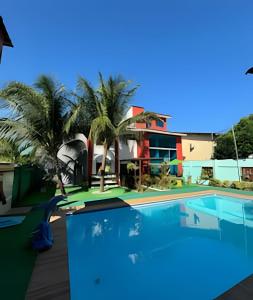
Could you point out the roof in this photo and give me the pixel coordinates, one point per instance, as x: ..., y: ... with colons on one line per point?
x: 200, y: 133
x: 163, y: 116
x: 4, y: 34
x: 158, y: 114
x: 157, y: 131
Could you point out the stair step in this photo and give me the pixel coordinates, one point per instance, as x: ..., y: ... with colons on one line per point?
x: 113, y: 176
x: 106, y: 181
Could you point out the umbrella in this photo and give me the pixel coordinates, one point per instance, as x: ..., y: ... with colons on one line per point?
x: 175, y: 162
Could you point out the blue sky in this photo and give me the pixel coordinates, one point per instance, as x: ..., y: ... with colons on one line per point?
x: 189, y: 56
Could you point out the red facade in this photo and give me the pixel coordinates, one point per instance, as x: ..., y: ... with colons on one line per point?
x: 143, y: 150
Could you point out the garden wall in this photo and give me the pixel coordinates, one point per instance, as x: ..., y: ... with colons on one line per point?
x: 222, y: 169
x: 26, y: 180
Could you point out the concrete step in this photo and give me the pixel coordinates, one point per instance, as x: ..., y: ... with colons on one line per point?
x: 97, y: 182
x: 111, y: 176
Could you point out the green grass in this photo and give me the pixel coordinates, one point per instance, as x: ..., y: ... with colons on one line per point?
x: 77, y: 196
x: 17, y: 257
x: 36, y: 197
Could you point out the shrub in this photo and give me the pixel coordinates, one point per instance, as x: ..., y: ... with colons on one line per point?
x: 238, y: 185
x: 146, y: 180
x: 214, y: 182
x: 243, y: 185
x: 189, y: 180
x: 155, y: 180
x: 248, y: 186
x: 164, y: 168
x: 164, y: 182
x: 173, y: 180
x: 226, y: 184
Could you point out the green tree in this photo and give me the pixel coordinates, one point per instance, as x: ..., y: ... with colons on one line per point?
x: 38, y: 117
x: 111, y: 99
x: 225, y: 147
x: 83, y: 108
x: 10, y: 151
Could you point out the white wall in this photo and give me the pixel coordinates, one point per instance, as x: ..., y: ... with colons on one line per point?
x: 7, y: 178
x: 98, y: 151
x: 225, y: 169
x: 126, y: 151
x: 129, y: 150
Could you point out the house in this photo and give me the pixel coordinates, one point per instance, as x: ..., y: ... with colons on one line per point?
x: 150, y: 144
x: 198, y: 145
x: 4, y: 37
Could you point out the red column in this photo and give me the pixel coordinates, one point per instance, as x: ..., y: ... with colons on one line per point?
x: 90, y: 160
x: 143, y: 151
x: 179, y: 155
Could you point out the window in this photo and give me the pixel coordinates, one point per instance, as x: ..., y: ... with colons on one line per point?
x: 247, y: 174
x: 164, y: 141
x: 207, y: 172
x: 159, y: 123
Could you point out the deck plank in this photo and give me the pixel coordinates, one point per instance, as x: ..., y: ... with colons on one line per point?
x: 50, y: 277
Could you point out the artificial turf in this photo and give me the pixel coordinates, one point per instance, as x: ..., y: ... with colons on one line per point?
x: 17, y: 257
x: 77, y: 196
x: 36, y: 197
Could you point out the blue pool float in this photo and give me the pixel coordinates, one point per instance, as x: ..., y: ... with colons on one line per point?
x: 42, y: 237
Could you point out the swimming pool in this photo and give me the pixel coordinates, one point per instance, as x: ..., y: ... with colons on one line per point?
x: 192, y: 248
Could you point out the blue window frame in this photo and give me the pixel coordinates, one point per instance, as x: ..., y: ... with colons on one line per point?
x: 159, y: 123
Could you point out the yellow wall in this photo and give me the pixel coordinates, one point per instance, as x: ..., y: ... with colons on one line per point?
x: 197, y: 146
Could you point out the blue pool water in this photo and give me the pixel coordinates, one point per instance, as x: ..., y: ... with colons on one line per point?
x: 193, y: 248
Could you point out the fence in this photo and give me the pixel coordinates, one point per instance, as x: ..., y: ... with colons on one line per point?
x: 26, y: 180
x: 222, y: 169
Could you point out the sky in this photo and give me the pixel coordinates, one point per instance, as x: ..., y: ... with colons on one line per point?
x: 188, y: 56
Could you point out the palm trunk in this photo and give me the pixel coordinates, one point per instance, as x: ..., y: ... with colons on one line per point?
x: 102, y: 179
x: 58, y: 173
x: 116, y: 145
x: 135, y: 179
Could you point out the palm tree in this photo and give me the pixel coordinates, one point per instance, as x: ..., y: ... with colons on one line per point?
x: 38, y: 117
x: 13, y: 152
x: 112, y: 100
x: 83, y: 108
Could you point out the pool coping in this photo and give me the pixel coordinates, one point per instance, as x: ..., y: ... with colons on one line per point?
x: 55, y: 261
x: 106, y: 204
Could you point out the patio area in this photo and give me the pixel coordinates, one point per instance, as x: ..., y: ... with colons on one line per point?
x: 20, y: 259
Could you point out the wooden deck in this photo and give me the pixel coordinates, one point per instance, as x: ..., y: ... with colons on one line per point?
x: 50, y: 278
x: 241, y: 291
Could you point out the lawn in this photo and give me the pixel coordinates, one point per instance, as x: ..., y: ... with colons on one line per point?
x: 77, y: 196
x: 36, y: 197
x: 17, y: 257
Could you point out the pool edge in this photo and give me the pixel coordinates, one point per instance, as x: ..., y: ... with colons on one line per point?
x: 61, y: 290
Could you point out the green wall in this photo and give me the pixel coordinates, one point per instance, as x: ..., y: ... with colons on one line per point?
x: 26, y: 180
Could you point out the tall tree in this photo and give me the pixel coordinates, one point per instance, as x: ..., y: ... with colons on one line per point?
x: 38, y: 117
x: 13, y: 152
x: 112, y: 99
x: 225, y: 147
